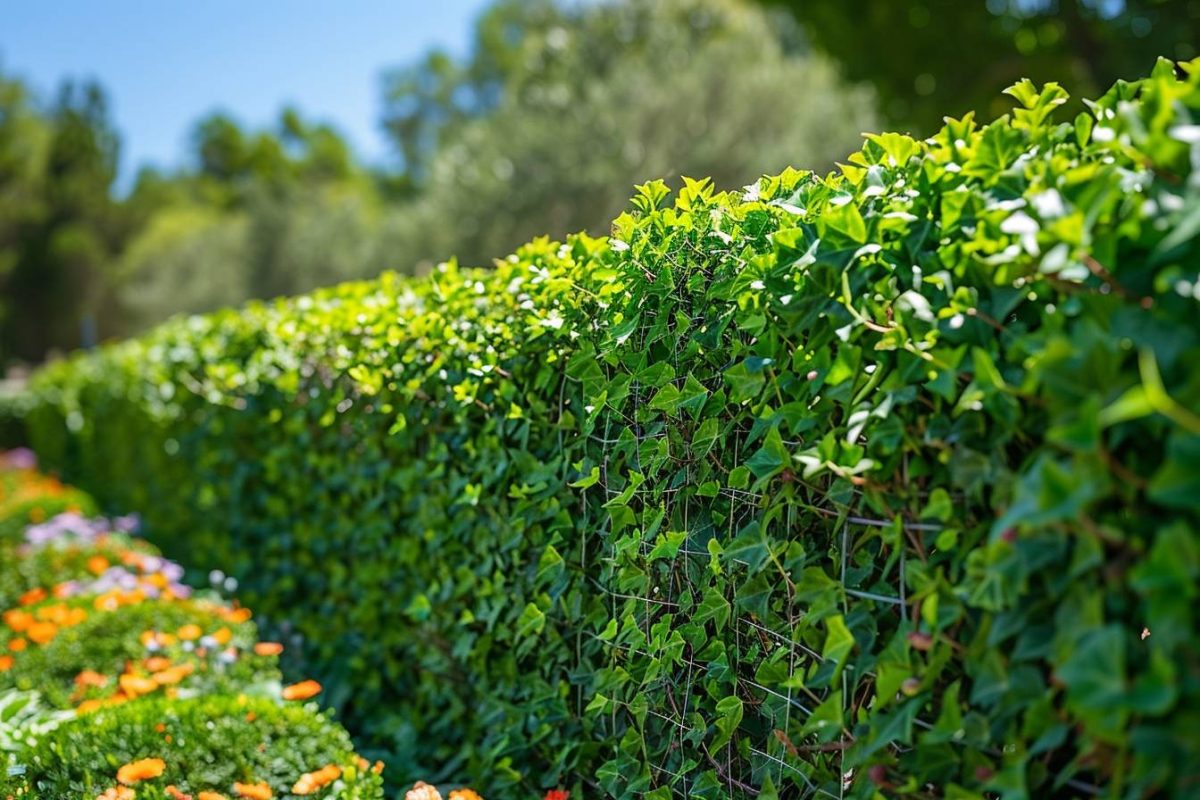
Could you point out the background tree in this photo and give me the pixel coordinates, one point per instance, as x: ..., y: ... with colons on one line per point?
x: 259, y: 214
x: 24, y: 141
x: 561, y: 109
x: 933, y: 58
x: 61, y: 224
x: 544, y: 128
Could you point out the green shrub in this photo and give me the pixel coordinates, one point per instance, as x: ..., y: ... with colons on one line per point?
x: 12, y: 413
x: 24, y: 718
x: 205, y: 744
x: 878, y: 482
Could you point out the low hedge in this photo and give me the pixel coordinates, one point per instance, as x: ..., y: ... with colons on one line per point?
x: 877, y: 482
x: 219, y: 745
x: 119, y: 681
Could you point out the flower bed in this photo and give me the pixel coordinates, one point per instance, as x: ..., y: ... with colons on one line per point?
x: 206, y: 746
x: 118, y: 681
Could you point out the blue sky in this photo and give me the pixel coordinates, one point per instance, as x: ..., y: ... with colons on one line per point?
x: 165, y: 63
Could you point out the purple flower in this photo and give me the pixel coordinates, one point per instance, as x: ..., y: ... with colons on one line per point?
x: 68, y: 589
x: 67, y: 525
x: 70, y: 527
x: 126, y: 524
x: 20, y: 458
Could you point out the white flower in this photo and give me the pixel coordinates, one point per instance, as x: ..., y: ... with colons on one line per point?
x: 1049, y: 204
x: 1186, y: 133
x: 1026, y: 227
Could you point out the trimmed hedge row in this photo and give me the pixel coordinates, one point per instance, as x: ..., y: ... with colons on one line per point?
x: 204, y: 741
x: 877, y: 482
x: 117, y: 682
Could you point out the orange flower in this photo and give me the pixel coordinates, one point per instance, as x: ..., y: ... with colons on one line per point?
x: 117, y: 793
x: 156, y: 663
x: 312, y: 781
x: 87, y: 707
x: 223, y: 635
x: 36, y: 595
x: 18, y: 645
x: 109, y: 601
x: 238, y: 615
x: 465, y: 794
x: 90, y: 678
x: 17, y: 620
x: 190, y: 632
x: 210, y: 796
x: 169, y: 677
x: 97, y: 564
x: 301, y: 691
x: 422, y: 791
x: 253, y: 791
x: 176, y: 794
x: 141, y: 770
x: 135, y: 685
x: 268, y: 648
x: 6, y: 662
x: 42, y: 632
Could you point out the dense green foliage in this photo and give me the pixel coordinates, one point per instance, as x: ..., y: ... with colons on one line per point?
x: 878, y: 481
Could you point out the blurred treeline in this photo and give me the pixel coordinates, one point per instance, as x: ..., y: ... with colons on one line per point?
x: 543, y: 128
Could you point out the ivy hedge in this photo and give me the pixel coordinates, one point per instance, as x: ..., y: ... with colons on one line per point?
x: 880, y: 482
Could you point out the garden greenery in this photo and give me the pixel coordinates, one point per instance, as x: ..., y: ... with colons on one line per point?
x: 208, y: 741
x: 880, y: 482
x: 117, y: 681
